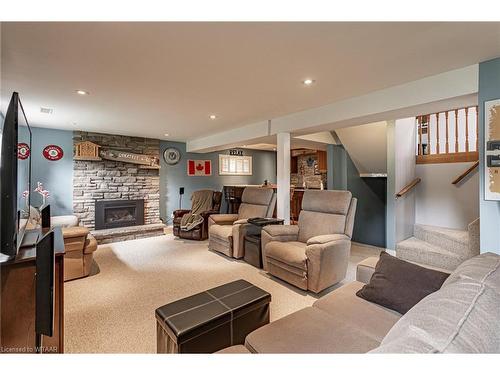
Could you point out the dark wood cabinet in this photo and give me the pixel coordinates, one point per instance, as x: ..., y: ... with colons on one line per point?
x: 296, y: 204
x: 322, y: 160
x: 18, y: 302
x: 294, y: 164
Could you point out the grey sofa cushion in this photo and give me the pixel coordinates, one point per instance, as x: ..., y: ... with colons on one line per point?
x: 309, y: 330
x: 461, y: 317
x: 483, y: 268
x: 292, y: 253
x: 343, y: 304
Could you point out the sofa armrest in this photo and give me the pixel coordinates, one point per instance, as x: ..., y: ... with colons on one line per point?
x: 72, y: 232
x: 281, y: 230
x: 241, y: 221
x: 223, y: 219
x: 181, y: 213
x: 325, y: 238
x: 365, y: 269
x: 327, y: 263
x: 206, y: 214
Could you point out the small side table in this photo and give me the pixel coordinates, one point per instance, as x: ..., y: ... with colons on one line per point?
x: 253, y: 250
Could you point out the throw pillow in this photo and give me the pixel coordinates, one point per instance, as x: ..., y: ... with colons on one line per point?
x: 399, y: 285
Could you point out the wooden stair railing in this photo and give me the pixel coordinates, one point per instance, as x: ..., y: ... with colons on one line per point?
x: 466, y: 173
x: 408, y: 187
x: 438, y: 141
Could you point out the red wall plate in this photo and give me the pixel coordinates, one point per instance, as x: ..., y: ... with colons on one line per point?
x: 53, y: 152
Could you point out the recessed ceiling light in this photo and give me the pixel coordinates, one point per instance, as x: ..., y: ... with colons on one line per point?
x: 82, y: 92
x: 166, y: 134
x: 308, y: 81
x: 212, y: 117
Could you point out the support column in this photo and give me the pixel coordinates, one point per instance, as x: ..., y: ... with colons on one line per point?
x: 283, y: 176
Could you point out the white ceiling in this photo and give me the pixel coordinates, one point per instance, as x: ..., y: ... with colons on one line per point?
x: 148, y: 79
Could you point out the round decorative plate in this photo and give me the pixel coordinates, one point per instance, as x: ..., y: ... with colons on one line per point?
x: 23, y: 151
x: 53, y: 152
x: 172, y: 156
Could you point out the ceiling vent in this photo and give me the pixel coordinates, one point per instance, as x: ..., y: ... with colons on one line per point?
x: 47, y: 111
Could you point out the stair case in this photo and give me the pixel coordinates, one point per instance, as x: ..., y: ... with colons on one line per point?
x: 440, y: 247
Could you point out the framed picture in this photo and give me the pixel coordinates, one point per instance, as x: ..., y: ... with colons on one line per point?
x: 232, y: 165
x: 492, y: 150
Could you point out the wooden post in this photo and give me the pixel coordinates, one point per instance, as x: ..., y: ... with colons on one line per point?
x: 447, y: 135
x: 456, y: 130
x: 419, y: 124
x: 437, y: 133
x: 428, y: 134
x: 466, y: 129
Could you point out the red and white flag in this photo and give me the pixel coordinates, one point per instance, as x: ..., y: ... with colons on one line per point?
x: 199, y: 167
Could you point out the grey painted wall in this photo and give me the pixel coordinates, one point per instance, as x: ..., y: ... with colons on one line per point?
x: 440, y: 203
x: 173, y: 177
x: 56, y: 176
x: 489, y: 88
x: 370, y: 222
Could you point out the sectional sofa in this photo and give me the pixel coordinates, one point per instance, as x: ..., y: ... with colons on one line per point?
x: 461, y: 317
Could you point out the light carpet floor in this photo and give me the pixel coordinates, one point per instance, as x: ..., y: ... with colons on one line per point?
x: 113, y: 311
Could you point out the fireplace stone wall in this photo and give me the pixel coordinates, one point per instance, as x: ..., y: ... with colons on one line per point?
x: 108, y: 180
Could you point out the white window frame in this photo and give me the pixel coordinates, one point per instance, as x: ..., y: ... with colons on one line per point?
x: 235, y: 172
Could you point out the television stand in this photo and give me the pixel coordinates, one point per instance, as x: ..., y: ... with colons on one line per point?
x: 18, y: 307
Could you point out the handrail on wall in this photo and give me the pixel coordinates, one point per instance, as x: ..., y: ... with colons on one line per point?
x: 408, y: 187
x: 463, y: 175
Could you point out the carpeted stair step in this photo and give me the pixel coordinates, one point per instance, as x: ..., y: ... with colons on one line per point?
x: 421, y: 252
x: 453, y: 240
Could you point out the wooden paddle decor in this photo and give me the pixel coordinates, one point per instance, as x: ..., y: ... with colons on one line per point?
x: 149, y: 161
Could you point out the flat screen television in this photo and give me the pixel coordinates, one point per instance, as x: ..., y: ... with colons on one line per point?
x: 15, y: 176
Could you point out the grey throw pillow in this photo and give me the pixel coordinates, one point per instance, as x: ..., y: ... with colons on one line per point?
x: 399, y: 285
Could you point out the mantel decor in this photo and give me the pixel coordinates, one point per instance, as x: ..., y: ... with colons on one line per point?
x: 90, y: 151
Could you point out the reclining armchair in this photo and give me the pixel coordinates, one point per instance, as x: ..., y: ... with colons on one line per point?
x: 80, y: 246
x: 200, y: 232
x: 226, y: 231
x: 314, y: 254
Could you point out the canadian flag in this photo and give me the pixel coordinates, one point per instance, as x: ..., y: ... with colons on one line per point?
x: 199, y: 168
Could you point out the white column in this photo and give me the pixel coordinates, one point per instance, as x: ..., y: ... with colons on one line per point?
x: 283, y: 177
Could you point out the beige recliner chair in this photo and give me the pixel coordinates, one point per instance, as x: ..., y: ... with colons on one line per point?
x: 314, y: 254
x: 226, y: 232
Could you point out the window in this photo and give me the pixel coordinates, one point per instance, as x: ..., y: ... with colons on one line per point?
x: 235, y: 165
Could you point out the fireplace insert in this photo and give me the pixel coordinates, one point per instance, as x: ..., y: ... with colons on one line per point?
x: 119, y: 213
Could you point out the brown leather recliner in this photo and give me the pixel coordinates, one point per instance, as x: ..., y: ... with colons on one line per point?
x: 200, y: 232
x: 79, y: 246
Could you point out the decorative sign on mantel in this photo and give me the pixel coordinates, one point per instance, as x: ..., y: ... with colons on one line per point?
x: 128, y: 157
x: 91, y: 151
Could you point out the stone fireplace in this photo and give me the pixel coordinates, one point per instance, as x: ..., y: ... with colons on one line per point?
x: 119, y: 213
x: 102, y: 187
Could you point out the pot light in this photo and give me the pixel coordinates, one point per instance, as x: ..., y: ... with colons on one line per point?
x: 308, y: 81
x: 82, y: 92
x: 212, y: 117
x: 166, y: 134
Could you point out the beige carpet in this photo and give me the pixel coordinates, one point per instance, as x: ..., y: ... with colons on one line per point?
x: 113, y: 310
